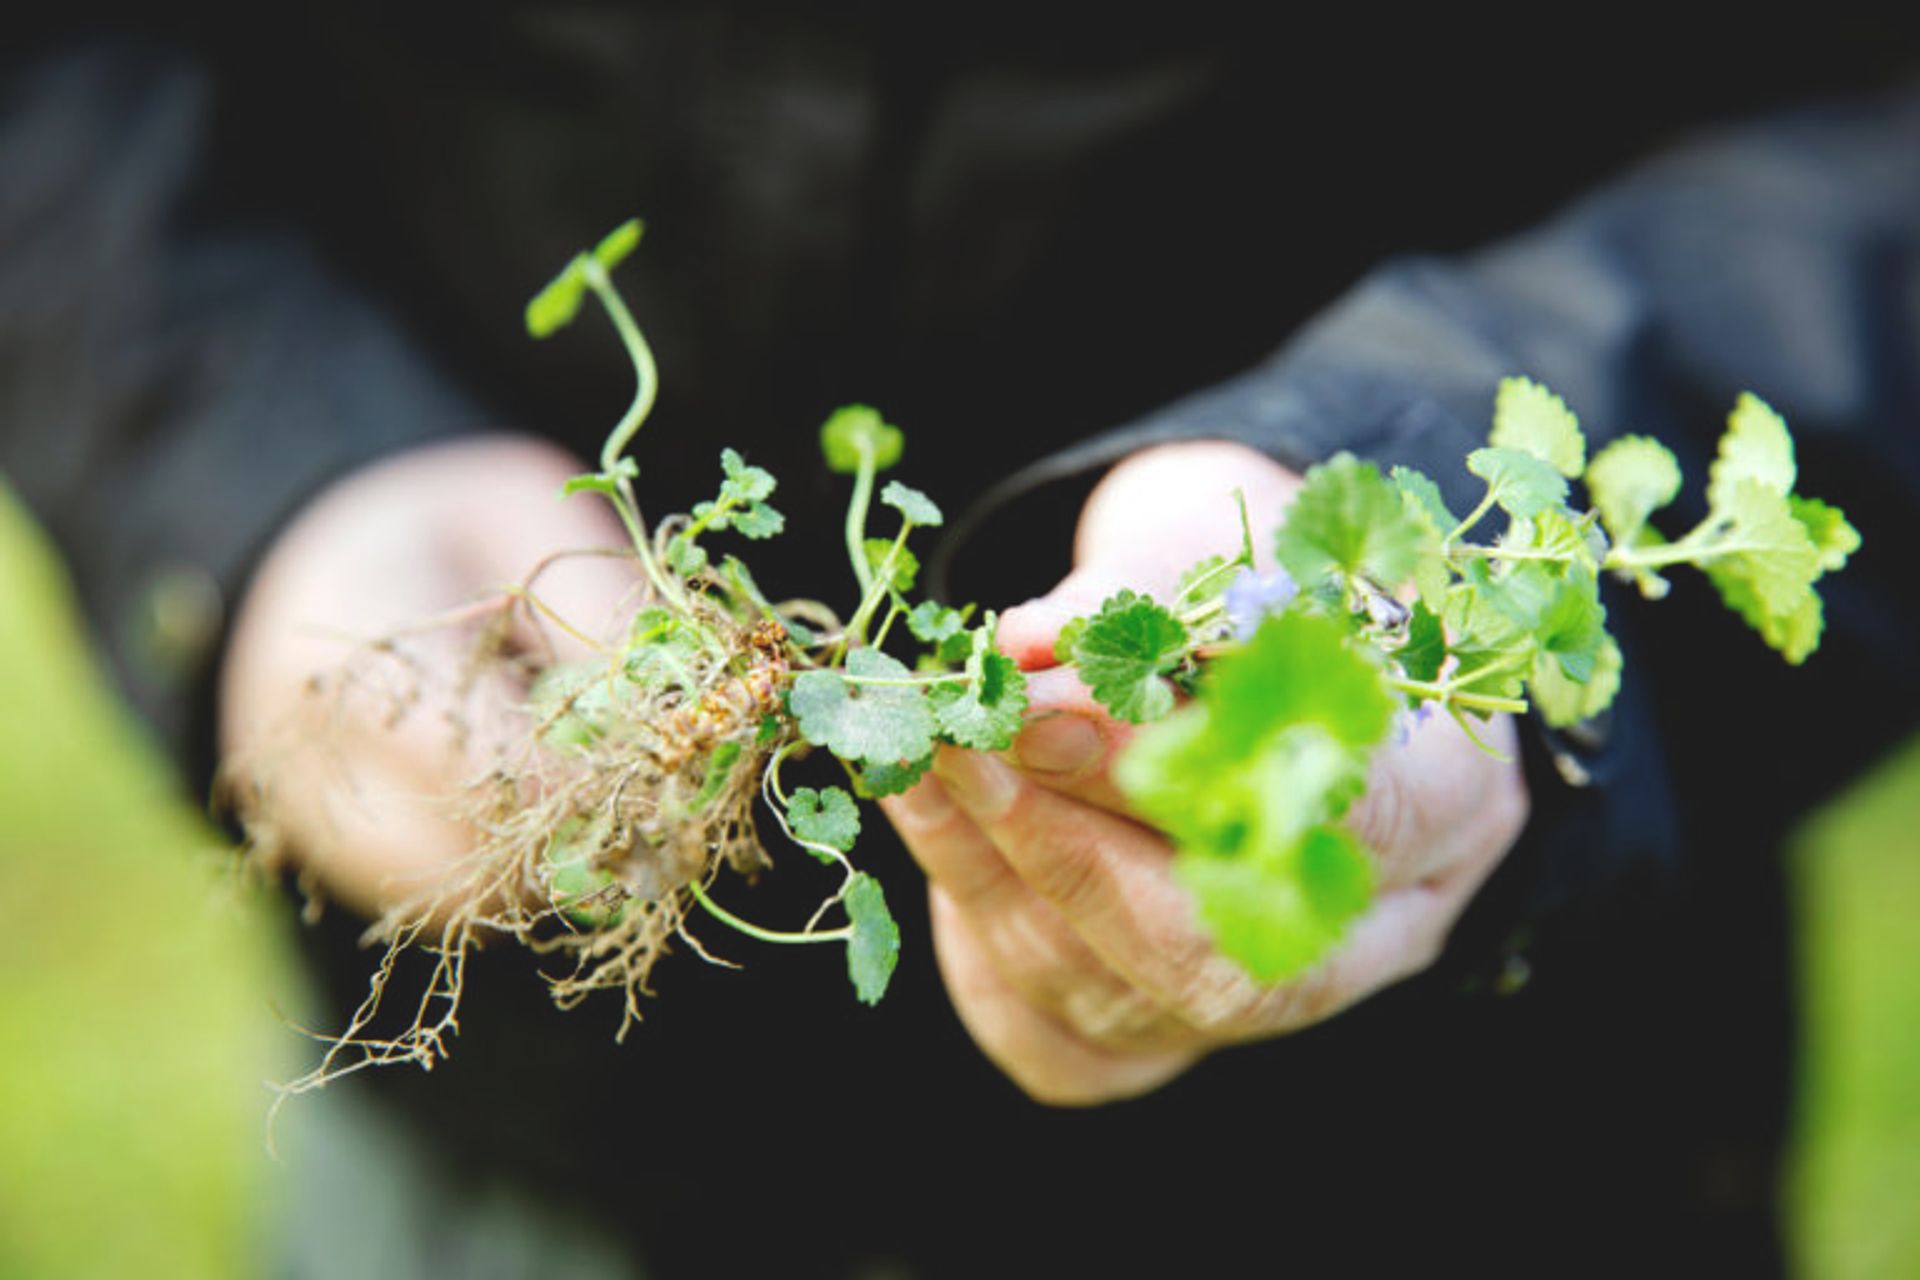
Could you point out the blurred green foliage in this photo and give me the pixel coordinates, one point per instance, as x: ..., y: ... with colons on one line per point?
x: 1856, y: 1183
x: 136, y: 1024
x: 137, y: 988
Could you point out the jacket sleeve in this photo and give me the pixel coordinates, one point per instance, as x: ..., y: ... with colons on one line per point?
x: 1782, y: 258
x: 176, y: 370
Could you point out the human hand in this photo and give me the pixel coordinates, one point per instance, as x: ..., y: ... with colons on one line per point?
x: 1071, y: 953
x: 355, y: 726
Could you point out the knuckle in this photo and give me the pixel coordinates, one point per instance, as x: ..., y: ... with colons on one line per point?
x: 1065, y: 870
x: 1216, y: 999
x: 1381, y: 816
x: 1108, y: 1014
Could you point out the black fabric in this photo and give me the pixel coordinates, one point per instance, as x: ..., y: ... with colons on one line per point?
x: 235, y: 261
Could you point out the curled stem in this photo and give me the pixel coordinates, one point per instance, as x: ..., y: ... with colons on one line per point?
x: 733, y: 921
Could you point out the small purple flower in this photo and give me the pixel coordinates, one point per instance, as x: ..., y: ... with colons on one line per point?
x: 1406, y: 720
x: 1251, y: 597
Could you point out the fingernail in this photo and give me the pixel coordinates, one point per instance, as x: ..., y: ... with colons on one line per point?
x: 1059, y: 744
x: 979, y: 783
x: 924, y: 805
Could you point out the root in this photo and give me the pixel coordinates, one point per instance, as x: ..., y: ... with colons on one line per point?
x: 592, y: 806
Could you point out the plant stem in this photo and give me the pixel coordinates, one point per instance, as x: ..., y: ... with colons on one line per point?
x: 643, y: 366
x: 907, y: 682
x: 1689, y: 548
x: 727, y: 917
x: 877, y: 587
x: 1448, y: 695
x: 1502, y: 553
x: 1473, y: 518
x: 646, y: 388
x: 886, y: 625
x: 857, y: 522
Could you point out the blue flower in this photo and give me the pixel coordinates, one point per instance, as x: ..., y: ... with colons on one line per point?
x: 1406, y: 720
x: 1251, y: 597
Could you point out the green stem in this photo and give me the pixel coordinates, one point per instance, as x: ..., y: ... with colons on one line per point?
x: 907, y: 682
x: 879, y: 587
x: 1473, y: 518
x: 1204, y: 613
x: 643, y: 366
x: 1502, y: 553
x: 646, y: 388
x: 1450, y: 696
x: 1689, y: 548
x: 857, y: 521
x: 1196, y: 589
x: 893, y: 615
x: 727, y: 917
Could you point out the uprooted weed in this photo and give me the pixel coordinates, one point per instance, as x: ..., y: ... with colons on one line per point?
x: 602, y: 795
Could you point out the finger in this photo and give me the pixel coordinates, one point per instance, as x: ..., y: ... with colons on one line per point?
x: 1032, y: 946
x: 1027, y: 631
x: 1049, y: 1061
x: 1111, y: 880
x: 569, y: 556
x: 1437, y: 800
x: 1070, y: 742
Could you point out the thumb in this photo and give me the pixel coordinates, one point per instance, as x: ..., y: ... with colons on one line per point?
x: 1027, y: 631
x: 1145, y: 524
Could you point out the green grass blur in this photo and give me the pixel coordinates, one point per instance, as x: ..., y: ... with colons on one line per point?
x: 136, y: 993
x: 1855, y: 1191
x: 136, y: 1032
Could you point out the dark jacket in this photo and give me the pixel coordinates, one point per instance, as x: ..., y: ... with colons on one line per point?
x: 231, y: 269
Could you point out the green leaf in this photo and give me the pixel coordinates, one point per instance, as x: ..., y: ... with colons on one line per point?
x: 588, y: 484
x: 1069, y: 636
x: 617, y: 244
x: 1518, y: 595
x: 1530, y: 418
x: 1572, y: 626
x: 985, y: 713
x: 1559, y: 534
x: 1238, y: 800
x: 912, y: 504
x: 574, y: 883
x: 758, y: 520
x: 933, y: 622
x: 892, y: 778
x: 1246, y: 779
x: 1277, y: 918
x: 1522, y: 484
x: 685, y: 556
x: 1205, y: 572
x: 874, y: 948
x: 577, y: 701
x: 554, y: 307
x: 1795, y: 631
x: 1765, y: 546
x: 1124, y: 649
x: 1828, y: 530
x: 827, y: 816
x: 876, y: 724
x: 1297, y: 669
x: 899, y: 574
x: 857, y: 432
x: 719, y: 769
x: 1351, y: 519
x: 1498, y: 671
x: 1425, y: 650
x: 1426, y: 498
x: 1630, y: 480
x: 743, y: 483
x: 1756, y: 448
x: 1563, y: 701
